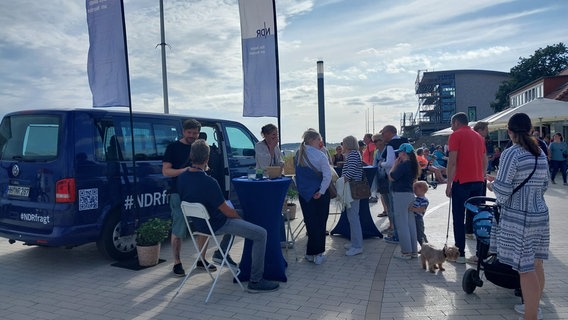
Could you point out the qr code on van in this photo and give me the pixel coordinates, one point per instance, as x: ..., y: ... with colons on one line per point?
x: 88, y: 199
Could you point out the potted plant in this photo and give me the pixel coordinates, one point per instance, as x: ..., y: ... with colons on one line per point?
x: 149, y: 235
x: 289, y: 205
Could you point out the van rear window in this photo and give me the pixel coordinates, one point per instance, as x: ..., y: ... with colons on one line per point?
x: 29, y: 137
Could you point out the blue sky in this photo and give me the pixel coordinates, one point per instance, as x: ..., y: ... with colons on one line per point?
x: 371, y: 50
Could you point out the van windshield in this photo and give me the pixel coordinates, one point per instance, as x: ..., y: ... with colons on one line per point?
x: 29, y: 137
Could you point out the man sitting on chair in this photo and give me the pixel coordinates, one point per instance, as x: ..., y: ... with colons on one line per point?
x: 195, y: 185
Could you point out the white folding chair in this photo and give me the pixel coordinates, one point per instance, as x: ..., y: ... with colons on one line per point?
x: 197, y: 210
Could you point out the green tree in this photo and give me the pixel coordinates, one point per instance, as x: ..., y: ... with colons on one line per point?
x: 543, y: 63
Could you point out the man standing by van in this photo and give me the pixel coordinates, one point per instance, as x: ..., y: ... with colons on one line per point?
x: 176, y: 161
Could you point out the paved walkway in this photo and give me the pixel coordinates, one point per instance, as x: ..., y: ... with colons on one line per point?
x: 57, y: 283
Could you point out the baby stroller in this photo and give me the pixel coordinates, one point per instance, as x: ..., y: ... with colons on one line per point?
x: 498, y: 273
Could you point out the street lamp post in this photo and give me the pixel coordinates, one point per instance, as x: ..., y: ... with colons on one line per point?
x: 164, y: 68
x: 321, y: 105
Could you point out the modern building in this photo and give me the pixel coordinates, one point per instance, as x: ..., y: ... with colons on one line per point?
x: 441, y: 94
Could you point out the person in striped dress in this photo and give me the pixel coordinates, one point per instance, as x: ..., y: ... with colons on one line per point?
x: 353, y: 171
x: 522, y: 237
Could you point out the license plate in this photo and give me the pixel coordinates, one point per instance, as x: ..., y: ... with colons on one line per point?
x: 18, y: 191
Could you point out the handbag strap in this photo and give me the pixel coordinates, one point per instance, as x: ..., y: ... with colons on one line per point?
x: 310, y: 163
x: 527, y: 179
x: 524, y: 181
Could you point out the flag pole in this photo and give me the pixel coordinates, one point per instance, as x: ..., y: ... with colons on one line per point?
x: 163, y: 50
x: 134, y: 182
x: 277, y: 74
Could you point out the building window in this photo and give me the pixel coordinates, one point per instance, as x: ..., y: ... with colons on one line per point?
x: 472, y: 113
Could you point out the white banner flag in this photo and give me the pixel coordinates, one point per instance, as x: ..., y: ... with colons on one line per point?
x: 260, y: 67
x: 107, y: 65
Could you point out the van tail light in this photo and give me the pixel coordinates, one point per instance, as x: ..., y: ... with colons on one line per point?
x: 65, y: 191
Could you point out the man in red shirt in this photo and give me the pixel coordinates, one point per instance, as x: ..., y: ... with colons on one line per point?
x: 467, y: 164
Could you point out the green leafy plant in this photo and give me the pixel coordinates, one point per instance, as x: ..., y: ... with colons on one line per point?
x: 152, y: 232
x: 291, y: 195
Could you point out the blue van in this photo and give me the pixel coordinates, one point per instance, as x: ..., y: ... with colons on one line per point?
x: 71, y: 177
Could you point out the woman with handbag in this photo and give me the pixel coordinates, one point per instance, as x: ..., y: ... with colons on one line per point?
x: 403, y: 174
x: 353, y: 172
x: 313, y: 176
x: 522, y: 236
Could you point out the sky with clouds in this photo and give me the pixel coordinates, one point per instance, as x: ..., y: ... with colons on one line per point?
x: 372, y: 50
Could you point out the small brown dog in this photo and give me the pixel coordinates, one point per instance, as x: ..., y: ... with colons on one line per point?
x: 433, y: 258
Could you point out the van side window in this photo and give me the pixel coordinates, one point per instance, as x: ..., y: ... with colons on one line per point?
x: 114, y: 150
x: 240, y: 142
x: 150, y: 139
x: 164, y: 135
x: 107, y: 146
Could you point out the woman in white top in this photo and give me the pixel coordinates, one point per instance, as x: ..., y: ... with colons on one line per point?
x: 267, y: 152
x: 313, y: 176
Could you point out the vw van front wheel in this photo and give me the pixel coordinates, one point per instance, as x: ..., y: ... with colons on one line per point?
x: 114, y: 246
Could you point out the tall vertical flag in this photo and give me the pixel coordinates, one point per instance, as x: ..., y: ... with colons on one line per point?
x: 260, y: 58
x: 107, y: 65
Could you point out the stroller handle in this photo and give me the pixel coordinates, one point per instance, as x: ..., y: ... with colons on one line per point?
x: 479, y: 199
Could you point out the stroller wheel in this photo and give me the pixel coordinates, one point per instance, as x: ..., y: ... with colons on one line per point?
x: 469, y: 281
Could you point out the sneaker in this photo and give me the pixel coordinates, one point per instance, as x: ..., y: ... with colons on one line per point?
x: 262, y: 286
x: 470, y: 236
x: 553, y: 182
x: 460, y: 260
x: 320, y: 258
x: 209, y: 267
x: 404, y: 256
x: 391, y: 240
x: 347, y: 246
x: 353, y: 251
x: 309, y: 258
x: 520, y: 309
x: 178, y: 270
x: 471, y: 260
x: 414, y: 255
x: 218, y: 258
x: 373, y: 200
x: 566, y: 183
x: 382, y: 214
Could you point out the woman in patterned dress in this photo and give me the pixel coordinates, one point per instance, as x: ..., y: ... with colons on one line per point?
x: 522, y: 237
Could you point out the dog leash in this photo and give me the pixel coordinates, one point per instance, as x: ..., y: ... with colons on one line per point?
x: 448, y: 227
